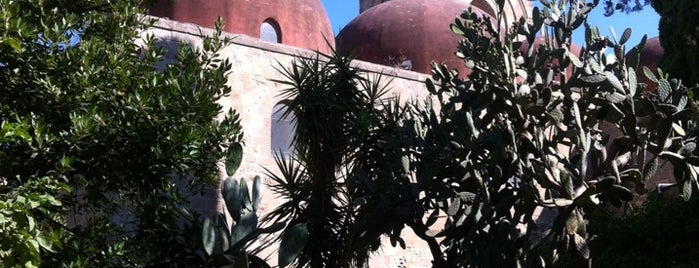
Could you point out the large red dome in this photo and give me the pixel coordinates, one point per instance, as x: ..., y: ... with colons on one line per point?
x: 301, y: 23
x: 416, y: 30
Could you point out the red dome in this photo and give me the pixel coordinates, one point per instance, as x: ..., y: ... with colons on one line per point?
x: 415, y: 30
x: 651, y: 54
x: 301, y: 23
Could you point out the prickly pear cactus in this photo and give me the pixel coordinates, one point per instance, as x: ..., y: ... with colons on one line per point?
x: 226, y: 242
x: 541, y: 129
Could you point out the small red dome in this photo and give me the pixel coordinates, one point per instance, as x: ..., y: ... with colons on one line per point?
x: 399, y: 30
x: 301, y: 23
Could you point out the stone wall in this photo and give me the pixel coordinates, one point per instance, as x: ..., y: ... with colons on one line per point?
x: 254, y: 95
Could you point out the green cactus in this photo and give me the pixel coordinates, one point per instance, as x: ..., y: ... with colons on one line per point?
x: 540, y: 128
x: 226, y: 243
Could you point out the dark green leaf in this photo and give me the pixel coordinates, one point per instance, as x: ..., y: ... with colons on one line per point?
x: 455, y: 29
x: 256, y: 193
x: 687, y: 190
x: 649, y: 74
x: 633, y: 83
x: 664, y: 90
x: 556, y: 114
x: 432, y: 218
x: 208, y: 235
x: 245, y: 195
x: 222, y: 234
x: 632, y: 58
x: 574, y: 59
x: 676, y: 159
x: 611, y: 113
x: 581, y: 246
x: 293, y: 241
x: 234, y: 158
x: 430, y: 86
x: 614, y: 81
x: 593, y: 79
x: 244, y: 227
x: 622, y: 192
x: 232, y: 196
x: 454, y: 207
x: 276, y: 227
x: 405, y: 163
x: 625, y: 36
x: 650, y: 169
x: 241, y: 261
x: 615, y: 97
x: 663, y: 131
x: 13, y: 43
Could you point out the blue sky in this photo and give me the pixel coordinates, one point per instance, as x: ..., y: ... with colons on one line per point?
x: 341, y: 12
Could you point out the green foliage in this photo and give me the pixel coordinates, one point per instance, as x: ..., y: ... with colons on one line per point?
x: 679, y: 37
x: 539, y: 129
x: 326, y: 150
x: 512, y: 160
x: 625, y: 6
x: 84, y: 106
x: 226, y: 246
x: 663, y: 233
x: 678, y: 33
x: 292, y: 243
x: 26, y: 216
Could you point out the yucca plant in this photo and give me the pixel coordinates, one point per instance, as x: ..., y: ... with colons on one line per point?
x: 333, y: 108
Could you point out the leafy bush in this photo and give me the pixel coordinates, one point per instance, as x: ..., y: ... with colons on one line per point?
x: 85, y: 107
x: 27, y: 214
x: 662, y: 234
x: 679, y: 36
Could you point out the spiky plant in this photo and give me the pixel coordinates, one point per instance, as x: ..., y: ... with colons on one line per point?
x: 332, y: 106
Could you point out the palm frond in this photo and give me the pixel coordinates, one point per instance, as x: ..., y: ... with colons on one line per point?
x: 340, y: 118
x: 291, y: 184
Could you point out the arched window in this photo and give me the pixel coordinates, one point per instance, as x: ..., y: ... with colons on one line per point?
x: 282, y: 129
x: 269, y: 31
